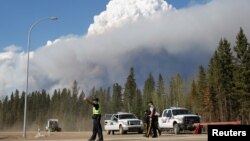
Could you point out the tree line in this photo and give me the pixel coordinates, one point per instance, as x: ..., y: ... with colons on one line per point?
x: 219, y: 92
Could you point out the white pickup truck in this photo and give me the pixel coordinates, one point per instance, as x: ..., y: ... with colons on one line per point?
x: 123, y: 123
x: 178, y: 119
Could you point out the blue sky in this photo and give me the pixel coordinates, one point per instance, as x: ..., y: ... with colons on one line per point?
x: 17, y: 16
x: 75, y: 16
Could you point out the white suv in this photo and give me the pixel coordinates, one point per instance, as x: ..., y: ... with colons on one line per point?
x: 123, y: 122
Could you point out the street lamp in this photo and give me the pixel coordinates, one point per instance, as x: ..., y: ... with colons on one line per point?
x: 27, y: 78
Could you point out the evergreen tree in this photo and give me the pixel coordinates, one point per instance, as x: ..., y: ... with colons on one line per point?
x: 176, y: 94
x: 220, y: 82
x: 74, y: 108
x: 130, y: 91
x: 82, y: 110
x: 1, y: 115
x: 225, y: 77
x: 117, y: 98
x: 43, y: 107
x: 18, y: 109
x: 105, y: 100
x: 21, y: 106
x: 12, y: 111
x: 192, y: 102
x: 149, y: 91
x: 213, y: 83
x: 241, y: 76
x: 207, y: 105
x: 81, y: 104
x: 54, y: 108
x: 6, y: 113
x: 161, y: 94
x: 137, y: 101
x: 201, y: 89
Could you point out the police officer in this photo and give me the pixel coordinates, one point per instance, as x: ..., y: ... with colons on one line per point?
x: 97, y: 127
x: 152, y: 121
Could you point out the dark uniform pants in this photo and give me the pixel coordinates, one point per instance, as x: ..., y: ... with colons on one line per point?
x: 97, y: 128
x: 152, y: 125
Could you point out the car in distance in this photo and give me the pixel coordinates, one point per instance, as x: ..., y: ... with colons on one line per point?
x: 53, y: 126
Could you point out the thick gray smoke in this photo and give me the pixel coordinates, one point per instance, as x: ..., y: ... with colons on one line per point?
x: 149, y: 35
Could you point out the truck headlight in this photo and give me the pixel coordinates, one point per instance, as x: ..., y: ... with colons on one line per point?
x: 180, y: 119
x: 141, y: 123
x: 125, y: 122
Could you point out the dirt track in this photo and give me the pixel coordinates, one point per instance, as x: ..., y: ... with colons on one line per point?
x: 83, y: 136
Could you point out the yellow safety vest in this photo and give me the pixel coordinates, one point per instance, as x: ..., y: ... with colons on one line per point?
x: 97, y: 112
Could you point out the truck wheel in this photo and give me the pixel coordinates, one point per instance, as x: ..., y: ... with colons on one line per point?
x: 59, y: 129
x: 121, y: 130
x: 176, y: 129
x: 108, y: 132
x: 140, y: 131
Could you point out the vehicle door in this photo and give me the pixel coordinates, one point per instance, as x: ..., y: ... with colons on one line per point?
x: 113, y: 124
x: 166, y: 119
x: 107, y: 120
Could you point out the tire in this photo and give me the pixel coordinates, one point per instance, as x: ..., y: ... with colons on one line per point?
x: 140, y: 131
x: 108, y: 132
x: 59, y: 129
x: 176, y: 129
x: 121, y: 131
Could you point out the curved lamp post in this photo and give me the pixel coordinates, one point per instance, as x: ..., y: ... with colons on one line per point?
x: 27, y: 78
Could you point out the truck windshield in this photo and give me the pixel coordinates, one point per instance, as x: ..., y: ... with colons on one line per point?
x: 127, y: 116
x: 181, y: 112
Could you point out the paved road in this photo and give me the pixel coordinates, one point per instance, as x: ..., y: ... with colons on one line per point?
x: 164, y: 137
x: 83, y: 136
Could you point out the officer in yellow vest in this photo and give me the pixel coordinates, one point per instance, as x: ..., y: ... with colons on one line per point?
x: 97, y: 127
